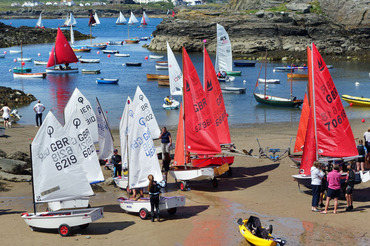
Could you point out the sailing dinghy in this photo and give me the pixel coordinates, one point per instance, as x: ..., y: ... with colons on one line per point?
x: 121, y: 20
x: 39, y: 23
x: 144, y: 20
x: 58, y: 175
x: 61, y: 53
x: 131, y: 21
x: 328, y: 136
x: 142, y: 160
x: 105, y: 135
x: 175, y: 79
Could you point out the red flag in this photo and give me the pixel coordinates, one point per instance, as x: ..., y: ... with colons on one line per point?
x: 216, y: 100
x: 200, y: 129
x: 91, y: 20
x: 62, y: 52
x: 334, y: 133
x: 309, y: 149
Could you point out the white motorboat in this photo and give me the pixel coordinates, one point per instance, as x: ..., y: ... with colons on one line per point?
x: 156, y: 57
x: 15, y: 51
x: 29, y: 75
x: 40, y: 62
x: 121, y: 55
x: 269, y: 81
x: 236, y: 90
x: 83, y: 60
x: 161, y: 67
x: 22, y: 59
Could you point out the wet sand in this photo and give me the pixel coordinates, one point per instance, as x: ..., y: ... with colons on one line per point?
x: 257, y: 187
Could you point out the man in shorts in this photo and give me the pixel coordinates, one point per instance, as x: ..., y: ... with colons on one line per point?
x: 166, y: 141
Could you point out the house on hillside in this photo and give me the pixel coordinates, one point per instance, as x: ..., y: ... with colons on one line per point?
x: 122, y: 1
x: 68, y: 2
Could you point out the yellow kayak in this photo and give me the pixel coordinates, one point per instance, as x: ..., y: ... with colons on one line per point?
x: 357, y: 101
x: 258, y: 241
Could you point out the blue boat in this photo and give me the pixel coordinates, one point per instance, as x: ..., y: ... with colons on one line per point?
x: 97, y: 46
x: 244, y: 64
x: 106, y: 81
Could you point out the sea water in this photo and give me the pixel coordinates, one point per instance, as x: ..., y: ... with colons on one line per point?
x: 55, y: 90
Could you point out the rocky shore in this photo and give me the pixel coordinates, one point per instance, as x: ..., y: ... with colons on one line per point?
x: 14, y: 98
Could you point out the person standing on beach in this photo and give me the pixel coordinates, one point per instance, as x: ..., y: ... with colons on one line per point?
x: 362, y: 152
x: 154, y: 190
x: 350, y: 182
x: 166, y: 141
x: 116, y: 160
x: 166, y: 165
x: 316, y: 176
x: 39, y: 108
x: 333, y: 189
x: 367, y: 140
x: 6, y: 114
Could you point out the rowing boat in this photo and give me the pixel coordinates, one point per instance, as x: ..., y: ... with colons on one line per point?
x: 90, y: 60
x: 29, y: 75
x: 86, y: 71
x: 357, y: 101
x: 163, y: 82
x: 132, y: 64
x: 106, y: 81
x: 121, y: 55
x: 297, y: 76
x: 156, y: 76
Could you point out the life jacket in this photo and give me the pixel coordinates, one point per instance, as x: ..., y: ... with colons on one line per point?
x: 361, y: 150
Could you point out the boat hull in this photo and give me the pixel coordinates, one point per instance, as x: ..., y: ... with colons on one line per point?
x: 234, y: 73
x: 52, y: 220
x: 297, y: 76
x: 133, y: 64
x: 106, y: 81
x: 156, y: 76
x: 22, y: 70
x: 89, y: 60
x: 269, y: 81
x: 155, y: 57
x: 132, y: 41
x: 235, y: 90
x: 164, y: 82
x: 277, y: 101
x: 29, y: 75
x: 175, y: 105
x: 85, y: 71
x: 61, y: 71
x: 69, y: 204
x: 214, y: 160
x: 244, y: 64
x: 122, y: 55
x: 357, y: 101
x: 161, y: 67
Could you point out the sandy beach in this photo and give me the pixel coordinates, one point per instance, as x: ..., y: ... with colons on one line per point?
x: 257, y: 187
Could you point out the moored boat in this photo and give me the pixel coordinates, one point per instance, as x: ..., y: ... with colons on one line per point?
x: 15, y: 51
x: 156, y: 57
x: 100, y: 46
x: 22, y: 70
x: 277, y: 101
x: 161, y: 67
x: 110, y: 51
x: 22, y: 59
x: 121, y: 55
x: 156, y: 76
x: 40, y: 62
x: 269, y: 81
x: 241, y: 63
x: 163, y: 82
x: 132, y: 64
x: 132, y: 41
x: 29, y: 75
x: 297, y: 76
x: 106, y: 81
x: 236, y: 90
x: 81, y: 49
x: 115, y: 43
x: 86, y: 71
x: 357, y: 101
x: 89, y: 60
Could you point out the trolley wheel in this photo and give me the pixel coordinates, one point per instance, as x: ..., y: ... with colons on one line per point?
x: 172, y: 210
x: 143, y: 213
x: 183, y: 185
x: 84, y: 226
x: 214, y: 183
x: 64, y: 230
x: 230, y: 172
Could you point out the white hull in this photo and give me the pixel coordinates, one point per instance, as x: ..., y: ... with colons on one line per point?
x: 15, y: 51
x: 122, y: 55
x: 122, y: 182
x: 192, y: 173
x: 226, y: 79
x: 165, y: 203
x: 90, y: 60
x: 160, y: 67
x: 63, y: 71
x: 235, y: 90
x: 110, y: 51
x: 175, y: 105
x: 52, y: 220
x: 40, y: 62
x: 29, y: 75
x: 69, y: 204
x: 24, y: 59
x: 155, y: 57
x: 269, y: 81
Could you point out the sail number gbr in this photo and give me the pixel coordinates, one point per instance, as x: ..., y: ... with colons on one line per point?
x: 334, y: 121
x: 62, y: 154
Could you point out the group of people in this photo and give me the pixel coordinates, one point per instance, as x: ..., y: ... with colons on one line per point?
x: 154, y: 187
x: 222, y: 74
x: 39, y: 108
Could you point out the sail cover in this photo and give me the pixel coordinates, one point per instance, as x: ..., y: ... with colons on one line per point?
x: 224, y: 54
x: 81, y: 136
x: 85, y: 111
x: 334, y: 133
x: 141, y: 101
x: 57, y: 172
x: 104, y: 132
x: 200, y: 134
x: 216, y: 100
x: 174, y: 73
x: 62, y: 52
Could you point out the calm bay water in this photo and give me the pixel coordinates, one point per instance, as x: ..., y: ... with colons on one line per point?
x: 55, y: 90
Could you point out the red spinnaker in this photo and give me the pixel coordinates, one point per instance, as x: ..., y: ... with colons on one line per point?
x: 302, y: 128
x: 200, y: 129
x: 334, y: 133
x: 309, y: 150
x: 216, y: 100
x: 62, y: 52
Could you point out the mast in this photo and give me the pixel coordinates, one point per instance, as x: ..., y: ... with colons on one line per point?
x: 33, y: 187
x: 183, y: 107
x: 291, y: 82
x: 314, y: 103
x: 21, y: 58
x: 265, y: 73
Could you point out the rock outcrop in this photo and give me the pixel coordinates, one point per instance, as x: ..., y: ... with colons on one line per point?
x: 14, y: 98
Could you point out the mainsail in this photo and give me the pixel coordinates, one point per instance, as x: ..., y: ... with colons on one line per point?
x: 145, y: 19
x: 309, y: 149
x: 132, y: 19
x: 62, y: 52
x: 216, y: 100
x: 224, y: 54
x: 92, y: 20
x: 71, y: 20
x: 57, y: 171
x: 105, y: 135
x: 174, y: 73
x: 124, y: 126
x: 39, y: 22
x: 179, y: 159
x: 86, y: 153
x: 121, y: 19
x: 85, y: 111
x: 96, y: 18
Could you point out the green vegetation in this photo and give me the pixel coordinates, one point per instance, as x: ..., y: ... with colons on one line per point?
x: 316, y: 8
x: 279, y: 8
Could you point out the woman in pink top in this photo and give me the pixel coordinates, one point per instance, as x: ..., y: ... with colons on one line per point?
x: 333, y: 189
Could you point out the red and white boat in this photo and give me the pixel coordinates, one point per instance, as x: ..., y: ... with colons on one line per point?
x: 29, y: 75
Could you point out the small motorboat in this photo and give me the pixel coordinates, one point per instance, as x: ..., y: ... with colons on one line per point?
x: 115, y: 42
x: 121, y: 55
x: 40, y: 62
x: 22, y: 59
x: 106, y: 81
x: 132, y: 64
x: 269, y: 81
x: 89, y: 60
x: 357, y: 101
x: 15, y: 51
x: 244, y: 63
x: 255, y: 234
x: 100, y: 46
x: 81, y: 49
x: 174, y: 105
x: 161, y: 66
x: 132, y: 41
x: 235, y: 90
x: 86, y: 71
x: 155, y: 57
x: 29, y: 75
x: 110, y: 51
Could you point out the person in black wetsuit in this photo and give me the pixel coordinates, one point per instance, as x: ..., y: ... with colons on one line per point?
x: 154, y: 189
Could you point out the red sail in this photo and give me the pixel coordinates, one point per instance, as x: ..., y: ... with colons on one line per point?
x: 62, y: 52
x: 334, y: 133
x: 302, y: 128
x: 179, y: 159
x: 216, y: 100
x: 200, y: 129
x: 92, y: 20
x: 309, y: 150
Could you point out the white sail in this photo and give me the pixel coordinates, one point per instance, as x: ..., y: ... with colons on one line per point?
x: 121, y: 19
x: 105, y: 135
x: 39, y: 22
x: 72, y: 36
x: 97, y: 21
x: 224, y: 54
x: 143, y: 159
x: 66, y: 21
x: 71, y: 21
x: 145, y: 19
x: 85, y: 110
x: 57, y: 172
x: 141, y: 101
x: 124, y: 126
x: 132, y: 19
x: 81, y: 135
x: 175, y: 73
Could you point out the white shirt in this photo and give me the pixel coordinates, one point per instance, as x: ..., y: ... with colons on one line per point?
x: 367, y: 137
x: 316, y: 176
x: 39, y: 108
x: 6, y: 112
